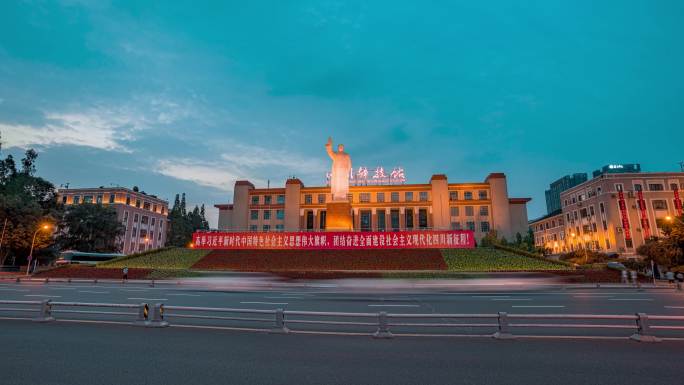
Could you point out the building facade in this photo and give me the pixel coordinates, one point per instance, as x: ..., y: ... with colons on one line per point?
x: 614, y: 212
x: 479, y: 207
x: 553, y: 202
x: 143, y: 216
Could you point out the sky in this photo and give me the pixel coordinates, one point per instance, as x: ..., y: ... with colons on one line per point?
x: 189, y: 96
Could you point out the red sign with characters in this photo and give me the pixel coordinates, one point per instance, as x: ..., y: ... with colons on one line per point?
x: 677, y: 201
x: 623, y: 214
x: 450, y: 239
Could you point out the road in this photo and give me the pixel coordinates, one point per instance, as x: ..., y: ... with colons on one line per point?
x: 65, y: 353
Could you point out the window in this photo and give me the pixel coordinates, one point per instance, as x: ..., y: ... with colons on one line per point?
x: 602, y: 208
x: 322, y: 219
x: 618, y: 187
x: 469, y: 212
x: 280, y: 200
x: 673, y: 186
x: 568, y: 215
x: 484, y: 227
x: 637, y: 187
x: 381, y: 220
x: 266, y: 228
x: 99, y: 199
x: 591, y: 211
x: 593, y: 227
x: 308, y: 199
x: 134, y: 232
x: 394, y: 197
x: 267, y: 199
x: 364, y: 197
x: 267, y: 215
x: 255, y: 199
x: 137, y: 203
x: 309, y: 220
x: 253, y: 227
x: 484, y: 211
x: 77, y: 199
x: 135, y: 218
x: 482, y: 194
x: 470, y: 225
x: 87, y: 199
x: 254, y: 214
x: 152, y: 222
x: 161, y: 225
x: 144, y: 220
x: 655, y: 186
x: 365, y: 220
x: 394, y: 219
x: 321, y: 198
x: 454, y: 211
x: 423, y: 196
x: 455, y: 225
x: 583, y: 213
x: 607, y: 243
x: 468, y: 195
x: 350, y: 197
x: 280, y: 214
x: 660, y: 204
x: 128, y: 199
x: 146, y: 206
x: 280, y: 227
x: 64, y: 199
x: 143, y: 233
x: 163, y: 209
x: 422, y: 219
x: 408, y: 196
x: 605, y: 225
x: 408, y: 217
x: 125, y: 216
x: 574, y: 213
x: 380, y: 197
x: 453, y: 195
x: 159, y: 233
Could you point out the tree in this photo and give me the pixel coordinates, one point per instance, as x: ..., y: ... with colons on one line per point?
x: 28, y: 166
x: 184, y: 223
x: 663, y: 251
x: 90, y: 228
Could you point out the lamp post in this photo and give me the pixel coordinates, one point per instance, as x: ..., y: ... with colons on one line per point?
x: 33, y: 242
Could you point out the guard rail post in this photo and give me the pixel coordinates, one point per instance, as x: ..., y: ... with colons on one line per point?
x: 280, y: 327
x: 504, y: 332
x: 679, y: 286
x: 152, y: 283
x: 157, y: 317
x: 383, y: 329
x: 143, y: 314
x: 623, y: 277
x: 643, y: 333
x: 44, y: 312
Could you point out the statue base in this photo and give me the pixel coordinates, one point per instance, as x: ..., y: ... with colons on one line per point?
x: 338, y: 216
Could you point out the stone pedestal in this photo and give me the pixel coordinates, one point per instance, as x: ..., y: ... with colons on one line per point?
x: 338, y: 216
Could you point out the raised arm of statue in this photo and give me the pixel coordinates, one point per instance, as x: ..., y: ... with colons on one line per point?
x: 328, y: 148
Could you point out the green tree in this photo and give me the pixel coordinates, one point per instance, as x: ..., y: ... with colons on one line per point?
x: 664, y: 251
x: 90, y: 228
x: 184, y: 223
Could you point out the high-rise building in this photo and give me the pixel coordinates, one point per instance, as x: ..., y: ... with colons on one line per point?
x: 553, y: 203
x: 618, y: 168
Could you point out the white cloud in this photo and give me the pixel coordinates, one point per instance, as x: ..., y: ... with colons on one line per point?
x: 218, y: 176
x: 253, y: 157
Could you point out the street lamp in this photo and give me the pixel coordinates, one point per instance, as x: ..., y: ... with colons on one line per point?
x: 33, y: 242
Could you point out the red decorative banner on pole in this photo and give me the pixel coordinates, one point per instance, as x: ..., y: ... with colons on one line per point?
x: 451, y: 239
x: 644, y: 216
x: 623, y: 214
x: 677, y: 201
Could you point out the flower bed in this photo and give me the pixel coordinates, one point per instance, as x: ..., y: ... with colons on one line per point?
x: 169, y: 258
x: 490, y: 259
x: 89, y: 272
x: 322, y: 260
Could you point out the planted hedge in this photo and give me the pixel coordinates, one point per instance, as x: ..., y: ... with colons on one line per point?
x: 492, y: 259
x: 169, y: 258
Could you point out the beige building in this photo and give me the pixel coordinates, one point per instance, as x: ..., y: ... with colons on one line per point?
x: 479, y: 207
x: 143, y: 216
x: 612, y: 212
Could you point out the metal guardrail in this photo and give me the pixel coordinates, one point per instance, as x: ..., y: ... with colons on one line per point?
x: 502, y: 322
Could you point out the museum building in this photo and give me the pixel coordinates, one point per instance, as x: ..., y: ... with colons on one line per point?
x: 437, y: 205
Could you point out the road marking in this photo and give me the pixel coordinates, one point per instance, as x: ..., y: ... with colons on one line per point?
x: 393, y: 305
x: 93, y: 292
x: 149, y: 299
x: 264, y: 303
x: 62, y: 288
x: 511, y: 299
x: 674, y: 307
x: 42, y: 295
x: 490, y: 296
x: 21, y: 290
x: 133, y: 289
x: 186, y: 295
x: 631, y: 299
x: 593, y: 296
x: 527, y: 306
x: 285, y: 297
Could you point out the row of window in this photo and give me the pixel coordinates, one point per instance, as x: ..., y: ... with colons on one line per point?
x: 409, y: 196
x: 254, y: 214
x: 468, y: 195
x: 470, y: 225
x: 144, y: 219
x: 469, y: 211
x: 268, y: 199
x: 620, y: 187
x: 99, y: 199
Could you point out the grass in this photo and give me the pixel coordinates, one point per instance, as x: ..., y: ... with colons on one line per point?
x: 173, y: 273
x: 173, y: 258
x: 490, y: 259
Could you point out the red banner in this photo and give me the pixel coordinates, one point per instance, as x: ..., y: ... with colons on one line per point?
x: 677, y: 201
x: 452, y: 239
x: 623, y: 214
x: 644, y: 216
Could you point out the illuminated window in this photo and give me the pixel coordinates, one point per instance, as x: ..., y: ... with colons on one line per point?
x: 364, y: 197
x: 137, y: 203
x: 482, y: 194
x: 453, y: 195
x: 380, y: 197
x: 128, y: 199
x: 308, y: 199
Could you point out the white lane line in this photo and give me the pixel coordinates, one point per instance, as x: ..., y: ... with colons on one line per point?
x: 263, y: 303
x: 593, y: 296
x: 42, y: 295
x: 397, y: 305
x: 20, y: 290
x: 133, y: 289
x: 535, y: 306
x: 630, y: 299
x: 285, y: 297
x: 185, y: 295
x: 511, y: 299
x: 490, y: 296
x: 674, y: 307
x: 62, y: 288
x: 93, y: 292
x: 149, y: 299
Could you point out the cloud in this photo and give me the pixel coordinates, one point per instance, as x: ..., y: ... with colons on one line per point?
x: 254, y: 157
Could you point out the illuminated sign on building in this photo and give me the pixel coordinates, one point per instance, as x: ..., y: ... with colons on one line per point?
x: 362, y: 177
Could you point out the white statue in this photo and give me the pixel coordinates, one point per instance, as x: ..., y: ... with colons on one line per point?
x: 341, y: 167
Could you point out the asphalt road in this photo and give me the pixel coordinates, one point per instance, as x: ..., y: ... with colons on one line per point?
x: 67, y: 353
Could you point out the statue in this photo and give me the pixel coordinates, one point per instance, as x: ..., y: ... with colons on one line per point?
x: 341, y: 167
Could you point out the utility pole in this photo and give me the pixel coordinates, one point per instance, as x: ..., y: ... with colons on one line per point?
x: 2, y: 238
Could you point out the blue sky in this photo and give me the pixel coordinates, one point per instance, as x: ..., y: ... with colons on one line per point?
x: 178, y: 96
